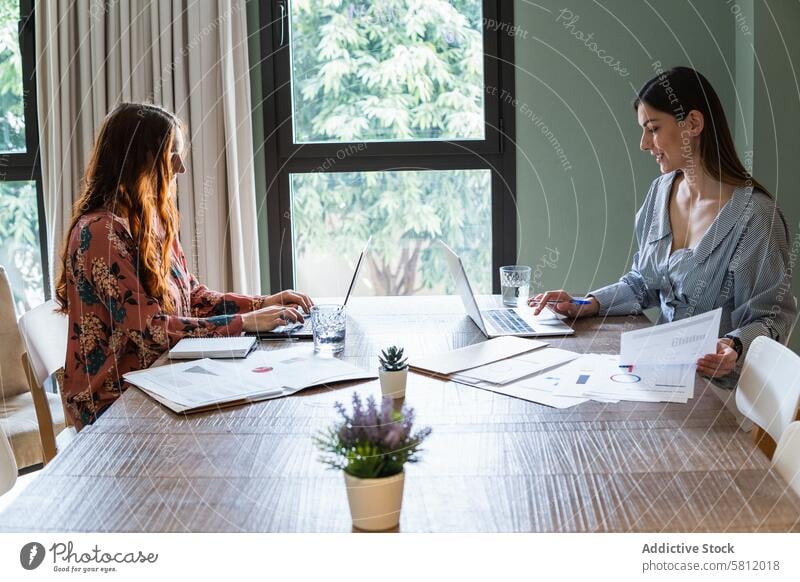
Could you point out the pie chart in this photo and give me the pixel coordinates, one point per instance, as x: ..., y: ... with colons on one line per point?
x: 626, y: 378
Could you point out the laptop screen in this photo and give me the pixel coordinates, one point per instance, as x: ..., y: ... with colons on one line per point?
x: 463, y: 287
x: 359, y: 264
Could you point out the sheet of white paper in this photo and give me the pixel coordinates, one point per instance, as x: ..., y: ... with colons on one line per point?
x: 520, y: 390
x: 571, y: 379
x: 520, y: 366
x: 195, y: 384
x: 600, y: 376
x: 476, y: 355
x: 538, y: 396
x: 264, y: 374
x: 648, y: 383
x: 293, y: 368
x: 678, y: 342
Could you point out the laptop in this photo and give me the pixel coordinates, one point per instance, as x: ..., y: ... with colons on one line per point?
x: 501, y: 321
x: 303, y: 330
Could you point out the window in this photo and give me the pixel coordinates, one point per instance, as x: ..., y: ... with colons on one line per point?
x: 412, y: 207
x: 21, y: 212
x: 384, y: 119
x: 386, y: 71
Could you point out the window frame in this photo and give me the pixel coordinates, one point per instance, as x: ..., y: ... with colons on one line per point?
x: 496, y: 152
x: 26, y: 166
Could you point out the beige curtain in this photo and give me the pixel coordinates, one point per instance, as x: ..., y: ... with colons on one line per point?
x: 190, y: 56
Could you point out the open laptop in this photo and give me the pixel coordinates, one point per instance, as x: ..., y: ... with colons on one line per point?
x: 501, y: 321
x: 303, y: 330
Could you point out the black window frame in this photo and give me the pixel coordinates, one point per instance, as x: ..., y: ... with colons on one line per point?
x: 497, y: 152
x: 26, y: 166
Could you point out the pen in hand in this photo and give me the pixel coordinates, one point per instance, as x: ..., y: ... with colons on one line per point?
x: 574, y: 301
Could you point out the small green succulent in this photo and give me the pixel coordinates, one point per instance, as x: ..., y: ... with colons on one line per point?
x: 392, y: 359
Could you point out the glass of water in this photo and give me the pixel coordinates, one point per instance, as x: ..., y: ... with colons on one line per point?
x: 515, y: 284
x: 328, y: 326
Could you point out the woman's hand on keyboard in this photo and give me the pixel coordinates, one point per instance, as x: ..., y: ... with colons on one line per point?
x: 268, y: 318
x: 561, y: 302
x: 291, y: 298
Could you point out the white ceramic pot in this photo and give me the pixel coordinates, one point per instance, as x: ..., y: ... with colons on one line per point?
x: 393, y: 384
x: 375, y: 503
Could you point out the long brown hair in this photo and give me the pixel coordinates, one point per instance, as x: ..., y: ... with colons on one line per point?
x: 130, y: 174
x: 682, y: 89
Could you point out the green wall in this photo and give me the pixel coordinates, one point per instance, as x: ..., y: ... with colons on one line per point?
x: 585, y: 209
x: 774, y: 54
x: 776, y: 113
x: 745, y: 82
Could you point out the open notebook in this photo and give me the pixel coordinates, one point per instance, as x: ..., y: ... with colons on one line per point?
x: 194, y: 348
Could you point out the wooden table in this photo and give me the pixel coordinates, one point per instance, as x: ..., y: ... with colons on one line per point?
x: 492, y: 464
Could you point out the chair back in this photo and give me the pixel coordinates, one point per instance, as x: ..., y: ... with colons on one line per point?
x: 769, y: 386
x: 787, y: 456
x: 46, y: 333
x: 8, y: 465
x: 12, y: 374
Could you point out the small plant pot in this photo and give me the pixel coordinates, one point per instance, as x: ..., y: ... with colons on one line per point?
x: 393, y: 384
x: 375, y: 503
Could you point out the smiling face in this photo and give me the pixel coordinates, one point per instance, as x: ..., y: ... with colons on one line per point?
x: 674, y: 145
x: 662, y: 137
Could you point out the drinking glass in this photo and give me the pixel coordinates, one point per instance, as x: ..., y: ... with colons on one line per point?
x: 328, y: 326
x: 515, y: 284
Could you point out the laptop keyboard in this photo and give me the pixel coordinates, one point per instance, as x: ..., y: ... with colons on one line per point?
x: 295, y: 327
x: 287, y: 330
x: 507, y: 320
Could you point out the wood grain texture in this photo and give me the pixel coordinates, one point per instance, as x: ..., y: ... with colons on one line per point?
x: 492, y: 464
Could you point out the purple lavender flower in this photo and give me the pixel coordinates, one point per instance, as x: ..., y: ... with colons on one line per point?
x: 374, y: 441
x: 394, y: 436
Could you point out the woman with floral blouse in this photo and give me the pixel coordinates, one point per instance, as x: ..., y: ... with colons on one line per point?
x: 125, y: 284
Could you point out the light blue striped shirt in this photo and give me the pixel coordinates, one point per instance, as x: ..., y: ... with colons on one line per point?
x: 742, y: 264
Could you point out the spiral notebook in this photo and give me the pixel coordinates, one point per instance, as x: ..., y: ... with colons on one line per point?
x: 193, y: 348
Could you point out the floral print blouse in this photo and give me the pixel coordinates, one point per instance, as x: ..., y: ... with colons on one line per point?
x: 115, y: 326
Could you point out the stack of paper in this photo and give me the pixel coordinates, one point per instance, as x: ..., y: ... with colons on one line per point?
x: 201, y: 384
x: 502, y: 365
x: 657, y: 364
x: 520, y: 366
x: 516, y: 377
x: 475, y: 355
x: 600, y: 377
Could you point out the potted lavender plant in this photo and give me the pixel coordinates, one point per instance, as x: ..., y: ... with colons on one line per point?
x: 371, y: 447
x: 393, y: 372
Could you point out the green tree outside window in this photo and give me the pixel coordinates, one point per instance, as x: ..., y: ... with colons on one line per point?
x: 393, y: 70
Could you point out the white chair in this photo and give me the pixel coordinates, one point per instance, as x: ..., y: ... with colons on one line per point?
x: 769, y: 386
x: 18, y: 410
x: 787, y: 456
x: 45, y: 333
x: 8, y: 466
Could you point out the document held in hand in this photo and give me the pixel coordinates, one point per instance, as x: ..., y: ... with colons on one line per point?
x: 680, y: 342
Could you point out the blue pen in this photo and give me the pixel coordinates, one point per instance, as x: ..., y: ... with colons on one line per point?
x: 574, y: 301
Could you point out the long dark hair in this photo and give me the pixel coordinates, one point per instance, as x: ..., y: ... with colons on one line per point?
x: 129, y: 173
x: 679, y: 91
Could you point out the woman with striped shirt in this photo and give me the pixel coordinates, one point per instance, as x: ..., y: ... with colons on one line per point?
x: 709, y: 235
